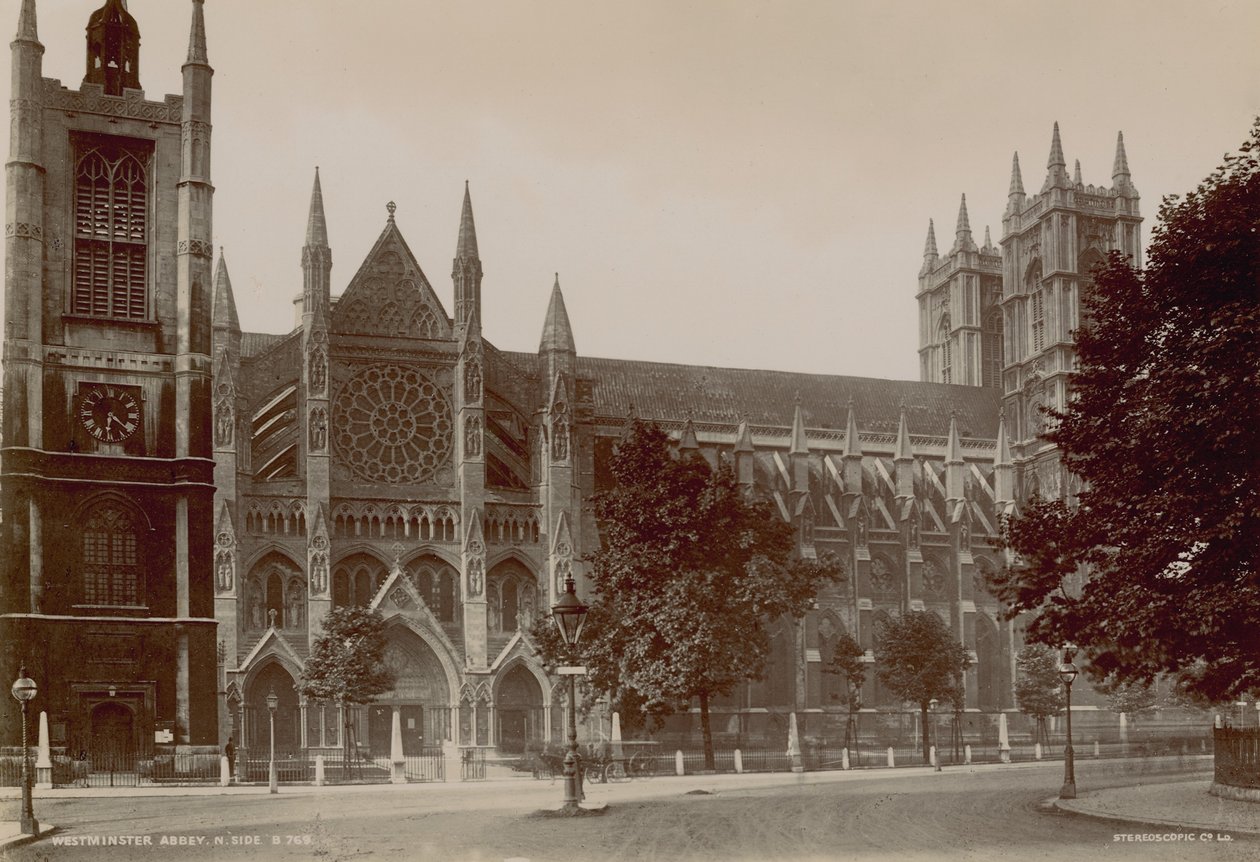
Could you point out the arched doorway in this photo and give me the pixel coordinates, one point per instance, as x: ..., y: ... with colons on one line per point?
x: 420, y: 694
x: 520, y: 709
x: 275, y: 678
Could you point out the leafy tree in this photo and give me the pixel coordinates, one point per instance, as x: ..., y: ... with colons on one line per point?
x: 1163, y: 429
x: 688, y: 577
x: 1130, y: 698
x: 919, y: 660
x: 345, y: 665
x: 1038, y: 686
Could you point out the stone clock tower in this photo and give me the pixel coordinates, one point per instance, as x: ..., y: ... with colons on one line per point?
x: 106, y: 477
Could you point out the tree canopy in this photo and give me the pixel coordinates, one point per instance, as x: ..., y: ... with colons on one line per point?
x: 920, y: 660
x: 690, y: 574
x: 1163, y: 429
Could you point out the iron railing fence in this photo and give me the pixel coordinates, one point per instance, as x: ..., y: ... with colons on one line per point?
x: 1237, y: 756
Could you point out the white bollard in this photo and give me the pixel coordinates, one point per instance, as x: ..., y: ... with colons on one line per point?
x: 678, y: 764
x: 892, y: 758
x: 844, y: 758
x: 932, y: 755
x: 43, y: 761
x: 966, y: 754
x: 739, y: 761
x: 319, y: 770
x: 225, y: 774
x: 1037, y: 751
x: 1095, y: 748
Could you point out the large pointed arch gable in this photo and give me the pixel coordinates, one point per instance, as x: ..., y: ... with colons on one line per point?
x: 427, y: 550
x: 435, y: 643
x: 504, y: 555
x: 266, y: 550
x: 271, y: 653
x: 346, y: 551
x: 544, y: 683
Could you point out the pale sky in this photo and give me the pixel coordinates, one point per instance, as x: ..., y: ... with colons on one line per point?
x: 730, y: 183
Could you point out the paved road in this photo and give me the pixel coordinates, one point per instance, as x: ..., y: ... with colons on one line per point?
x: 821, y: 816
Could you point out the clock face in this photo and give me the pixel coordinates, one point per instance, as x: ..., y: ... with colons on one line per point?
x: 109, y: 414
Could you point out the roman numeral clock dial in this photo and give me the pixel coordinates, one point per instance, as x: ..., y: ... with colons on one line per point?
x: 109, y: 414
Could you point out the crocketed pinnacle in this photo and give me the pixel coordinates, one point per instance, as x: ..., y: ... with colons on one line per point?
x: 903, y: 452
x: 224, y: 313
x: 466, y: 247
x: 929, y: 247
x: 1076, y: 174
x: 962, y: 232
x: 1056, y: 159
x: 1017, y: 179
x: 197, y: 37
x: 1003, y: 456
x: 557, y: 334
x: 800, y: 445
x: 316, y: 225
x: 953, y: 453
x: 1120, y: 170
x: 852, y: 444
x: 988, y: 241
x: 27, y: 30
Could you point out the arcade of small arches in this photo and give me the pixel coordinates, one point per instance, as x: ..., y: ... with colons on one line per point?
x: 515, y: 706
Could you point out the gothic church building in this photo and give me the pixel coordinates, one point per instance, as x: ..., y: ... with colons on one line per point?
x: 184, y: 501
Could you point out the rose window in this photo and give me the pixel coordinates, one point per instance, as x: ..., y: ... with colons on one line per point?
x: 392, y: 424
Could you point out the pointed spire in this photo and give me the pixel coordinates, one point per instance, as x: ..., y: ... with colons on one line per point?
x: 929, y: 247
x: 953, y: 454
x: 27, y: 30
x: 687, y: 441
x: 1056, y: 159
x: 800, y: 445
x: 1076, y: 175
x: 1017, y: 179
x: 903, y: 452
x: 962, y: 232
x: 1003, y: 456
x: 197, y: 37
x: 852, y: 443
x: 1120, y: 170
x: 316, y: 225
x: 467, y: 244
x: 224, y: 313
x: 988, y: 241
x: 743, y: 437
x: 557, y: 334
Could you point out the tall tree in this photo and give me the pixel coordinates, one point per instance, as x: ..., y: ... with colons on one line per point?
x: 345, y: 665
x: 847, y: 661
x: 689, y: 575
x: 918, y: 658
x: 1163, y: 430
x: 1038, y: 686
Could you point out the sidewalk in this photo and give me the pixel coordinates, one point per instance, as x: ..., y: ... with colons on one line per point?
x: 1181, y: 806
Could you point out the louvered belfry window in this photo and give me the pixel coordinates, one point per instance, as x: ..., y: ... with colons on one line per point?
x: 111, y: 212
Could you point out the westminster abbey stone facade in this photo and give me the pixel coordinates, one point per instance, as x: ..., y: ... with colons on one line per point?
x: 184, y: 501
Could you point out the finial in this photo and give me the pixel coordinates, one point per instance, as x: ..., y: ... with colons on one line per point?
x: 1017, y: 179
x: 1056, y: 150
x: 929, y: 246
x: 964, y: 222
x: 27, y: 30
x: 397, y: 548
x: 1076, y: 176
x: 271, y: 617
x: 988, y: 242
x: 390, y: 207
x: 1120, y: 170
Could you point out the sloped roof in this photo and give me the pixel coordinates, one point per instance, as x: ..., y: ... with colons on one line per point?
x: 254, y: 343
x: 669, y: 391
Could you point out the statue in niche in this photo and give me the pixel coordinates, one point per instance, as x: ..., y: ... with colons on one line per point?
x: 964, y: 537
x: 318, y: 372
x: 475, y: 576
x: 472, y: 437
x: 319, y: 430
x: 293, y: 611
x: 255, y: 607
x: 559, y: 440
x: 223, y: 425
x: 224, y: 570
x: 914, y: 532
x: 861, y: 530
x: 472, y: 381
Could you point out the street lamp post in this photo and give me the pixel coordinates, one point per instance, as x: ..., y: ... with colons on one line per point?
x: 272, y: 703
x: 570, y: 615
x: 24, y: 690
x: 1068, y: 672
x: 936, y: 742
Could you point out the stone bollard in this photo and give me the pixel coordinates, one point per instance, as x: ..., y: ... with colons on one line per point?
x: 1004, y: 753
x: 225, y: 772
x: 1095, y: 748
x: 43, y: 761
x: 966, y: 754
x: 739, y: 761
x: 679, y: 769
x: 844, y: 758
x: 319, y: 770
x: 892, y: 758
x: 1037, y: 751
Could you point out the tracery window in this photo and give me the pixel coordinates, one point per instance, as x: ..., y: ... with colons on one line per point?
x: 438, y: 584
x: 111, y: 213
x: 1038, y: 318
x: 112, y: 573
x: 947, y: 355
x: 356, y: 579
x: 511, y: 599
x: 992, y: 350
